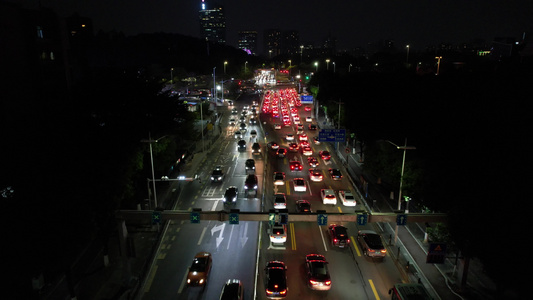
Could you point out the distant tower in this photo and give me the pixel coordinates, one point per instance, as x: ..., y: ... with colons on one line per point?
x: 272, y: 42
x: 212, y: 23
x: 248, y: 41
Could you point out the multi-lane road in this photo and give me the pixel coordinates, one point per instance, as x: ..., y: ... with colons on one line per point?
x: 242, y: 251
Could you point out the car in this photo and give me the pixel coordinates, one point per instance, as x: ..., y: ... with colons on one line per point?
x: 289, y: 137
x: 308, y: 119
x: 325, y: 155
x: 299, y: 185
x: 296, y: 120
x: 241, y: 145
x: 276, y: 280
x: 303, y: 206
x: 313, y: 162
x: 278, y: 233
x: 280, y: 201
x: 250, y: 183
x: 256, y: 149
x: 217, y: 175
x: 230, y: 196
x: 316, y: 141
x: 293, y: 147
x: 249, y: 165
x: 312, y: 127
x: 339, y: 236
x: 232, y: 290
x: 316, y: 268
x: 242, y: 119
x: 328, y: 196
x: 307, y: 151
x: 253, y: 120
x: 279, y: 178
x: 277, y: 126
x: 199, y: 269
x: 299, y: 129
x: 371, y: 244
x: 253, y: 133
x: 281, y: 152
x: 238, y: 134
x: 243, y: 127
x: 234, y: 111
x: 315, y: 175
x: 273, y: 145
x: 335, y: 174
x: 347, y: 198
x: 232, y: 121
x: 302, y: 137
x: 295, y: 166
x: 304, y: 144
x: 307, y: 108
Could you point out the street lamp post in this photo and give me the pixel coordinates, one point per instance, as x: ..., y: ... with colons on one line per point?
x: 301, y: 53
x: 407, y: 59
x: 404, y: 148
x: 349, y: 68
x: 316, y: 66
x: 333, y: 67
x: 171, y: 75
x: 150, y: 141
x: 290, y: 65
x: 245, y: 63
x: 438, y: 63
x: 225, y: 64
x: 327, y: 64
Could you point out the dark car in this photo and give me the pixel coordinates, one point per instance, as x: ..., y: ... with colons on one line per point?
x: 232, y: 290
x: 303, y: 206
x: 276, y: 280
x: 273, y: 145
x: 294, y: 147
x: 339, y: 235
x: 241, y: 145
x: 250, y: 165
x: 371, y: 244
x: 217, y: 175
x: 312, y: 126
x: 256, y: 149
x: 295, y: 166
x: 230, y: 196
x: 313, y: 162
x: 335, y: 174
x: 281, y: 152
x: 199, y: 270
x: 318, y: 277
x: 250, y: 184
x: 325, y: 155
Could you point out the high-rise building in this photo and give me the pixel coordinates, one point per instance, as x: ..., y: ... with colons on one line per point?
x: 272, y: 42
x: 248, y: 41
x: 291, y: 42
x: 212, y: 23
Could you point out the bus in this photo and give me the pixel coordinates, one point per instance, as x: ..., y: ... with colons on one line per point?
x: 409, y: 291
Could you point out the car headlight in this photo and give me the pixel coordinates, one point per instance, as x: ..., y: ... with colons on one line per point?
x: 245, y: 187
x: 255, y: 187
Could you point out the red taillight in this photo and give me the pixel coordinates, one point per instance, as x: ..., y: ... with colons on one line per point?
x: 335, y: 240
x: 283, y: 292
x: 269, y: 292
x: 384, y: 251
x: 371, y: 250
x: 312, y: 282
x: 328, y: 282
x: 275, y: 286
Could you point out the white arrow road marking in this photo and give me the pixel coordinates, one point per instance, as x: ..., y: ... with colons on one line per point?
x: 244, y: 237
x: 221, y: 229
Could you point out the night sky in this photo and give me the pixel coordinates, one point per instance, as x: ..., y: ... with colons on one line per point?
x: 354, y: 23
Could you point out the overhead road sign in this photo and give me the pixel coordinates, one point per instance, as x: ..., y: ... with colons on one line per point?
x: 307, y: 99
x: 332, y: 135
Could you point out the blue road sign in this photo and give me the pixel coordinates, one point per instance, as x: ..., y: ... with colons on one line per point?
x: 306, y: 99
x: 401, y: 219
x: 362, y: 219
x: 195, y: 217
x: 322, y: 219
x: 156, y: 217
x: 332, y: 135
x: 234, y: 218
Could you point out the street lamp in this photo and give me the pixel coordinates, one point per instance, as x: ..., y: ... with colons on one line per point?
x: 349, y: 68
x: 404, y: 148
x: 245, y: 63
x: 438, y: 63
x: 333, y: 67
x: 171, y: 75
x: 316, y: 66
x: 225, y: 64
x: 301, y: 53
x: 290, y: 65
x: 327, y: 64
x: 407, y: 59
x: 149, y: 140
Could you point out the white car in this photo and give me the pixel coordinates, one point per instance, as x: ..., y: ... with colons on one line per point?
x: 328, y: 196
x: 309, y: 119
x: 280, y: 201
x: 279, y: 178
x: 277, y: 126
x: 299, y: 185
x: 278, y: 233
x: 347, y: 198
x: 289, y: 137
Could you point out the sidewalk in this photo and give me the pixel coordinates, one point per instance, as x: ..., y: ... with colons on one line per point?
x: 410, y: 250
